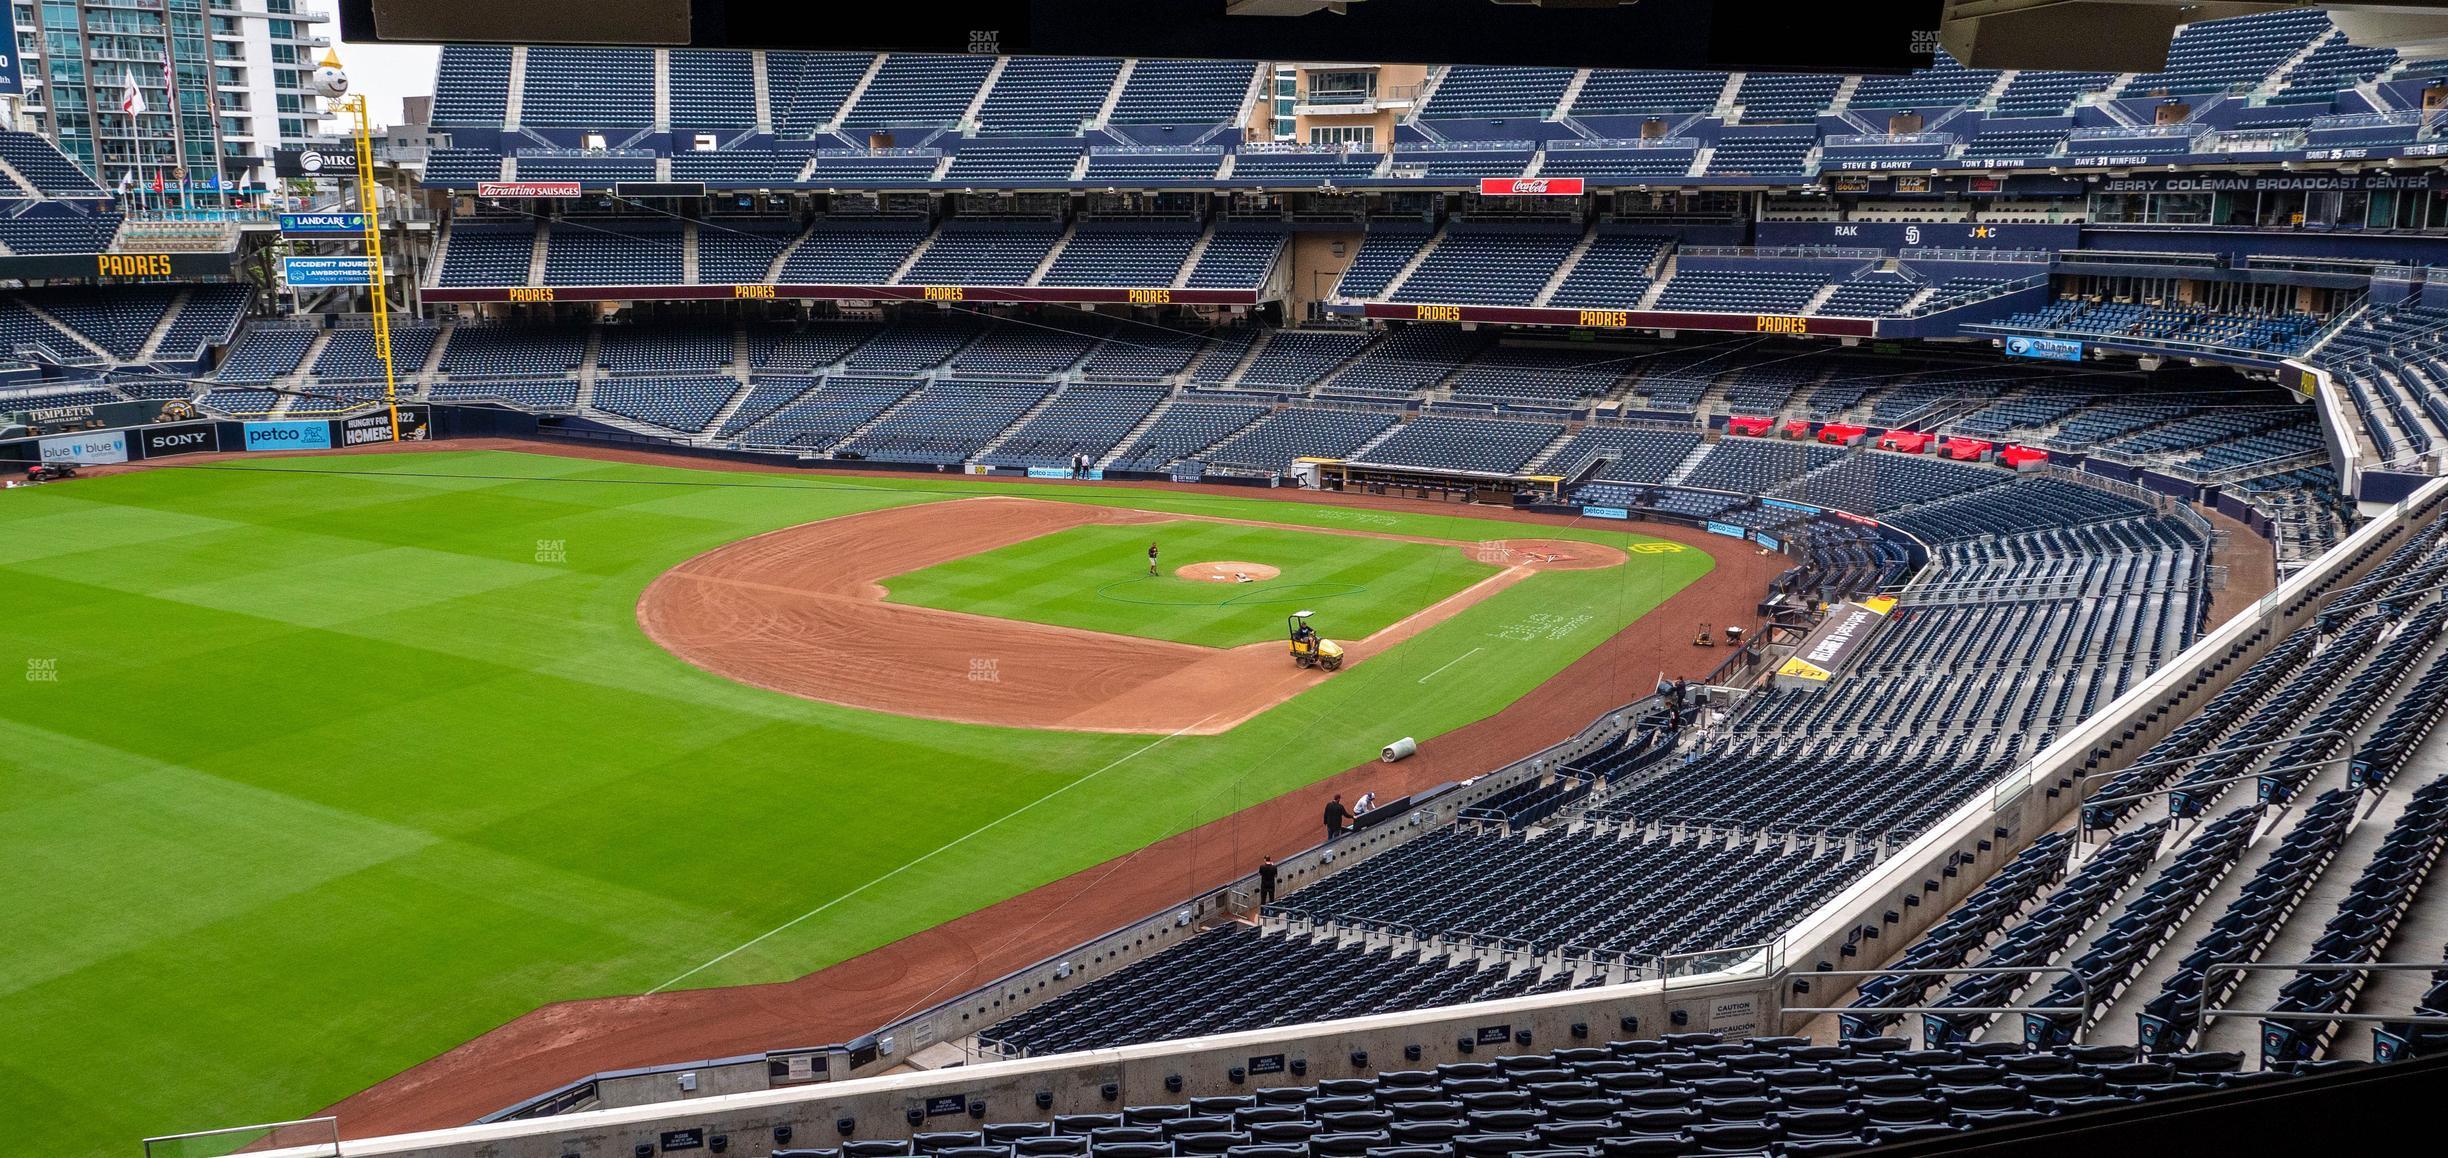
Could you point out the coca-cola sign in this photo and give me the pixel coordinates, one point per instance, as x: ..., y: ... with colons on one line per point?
x: 1530, y: 186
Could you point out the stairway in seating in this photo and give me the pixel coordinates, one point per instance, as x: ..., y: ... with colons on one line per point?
x: 1136, y: 432
x: 916, y: 252
x: 1026, y: 416
x: 851, y: 99
x: 587, y: 367
x: 1198, y: 249
x: 1053, y: 254
x: 535, y: 255
x: 916, y: 389
x: 153, y: 340
x: 1690, y: 463
x: 1564, y: 268
x: 1113, y: 97
x: 1657, y: 286
x: 1411, y: 267
x: 1538, y: 462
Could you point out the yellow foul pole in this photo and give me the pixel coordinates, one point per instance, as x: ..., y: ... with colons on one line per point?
x: 368, y: 204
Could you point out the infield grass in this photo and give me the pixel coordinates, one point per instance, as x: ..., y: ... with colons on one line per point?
x: 1096, y: 578
x: 313, y: 768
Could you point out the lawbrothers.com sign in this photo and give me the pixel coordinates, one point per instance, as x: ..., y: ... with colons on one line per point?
x: 288, y: 436
x: 87, y: 449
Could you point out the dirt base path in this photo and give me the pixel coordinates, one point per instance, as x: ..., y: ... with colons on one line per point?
x: 569, y: 1040
x: 801, y: 611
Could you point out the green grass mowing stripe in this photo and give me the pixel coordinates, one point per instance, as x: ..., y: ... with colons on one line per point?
x: 580, y: 813
x: 1095, y: 578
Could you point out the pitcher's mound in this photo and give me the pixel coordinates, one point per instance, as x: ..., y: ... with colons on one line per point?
x: 1227, y: 572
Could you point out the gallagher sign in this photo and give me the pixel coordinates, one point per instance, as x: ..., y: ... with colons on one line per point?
x: 1530, y: 186
x: 2049, y: 349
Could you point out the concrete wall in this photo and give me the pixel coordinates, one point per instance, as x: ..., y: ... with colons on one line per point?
x: 1313, y: 262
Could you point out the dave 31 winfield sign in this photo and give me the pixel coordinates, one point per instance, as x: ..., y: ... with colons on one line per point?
x: 1530, y: 186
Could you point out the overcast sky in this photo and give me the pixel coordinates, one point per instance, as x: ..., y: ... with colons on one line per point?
x: 387, y: 72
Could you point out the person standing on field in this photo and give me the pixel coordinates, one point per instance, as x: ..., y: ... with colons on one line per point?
x: 1151, y: 559
x: 1336, y: 816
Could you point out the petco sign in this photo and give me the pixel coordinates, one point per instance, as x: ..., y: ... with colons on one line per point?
x: 288, y: 436
x: 1530, y: 186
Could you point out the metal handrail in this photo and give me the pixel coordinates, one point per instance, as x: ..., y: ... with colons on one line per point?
x: 2210, y: 1013
x: 2090, y: 993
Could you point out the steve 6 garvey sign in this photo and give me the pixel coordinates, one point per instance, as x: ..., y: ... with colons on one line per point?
x: 1530, y: 186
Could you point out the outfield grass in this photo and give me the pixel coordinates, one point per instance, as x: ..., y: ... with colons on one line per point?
x: 1096, y: 578
x: 349, y: 759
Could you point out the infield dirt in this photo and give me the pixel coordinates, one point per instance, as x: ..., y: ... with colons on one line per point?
x: 801, y: 611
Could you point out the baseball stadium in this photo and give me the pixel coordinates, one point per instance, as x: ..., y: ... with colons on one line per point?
x: 1615, y: 583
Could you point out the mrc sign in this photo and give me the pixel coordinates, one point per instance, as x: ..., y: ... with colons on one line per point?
x: 1530, y: 186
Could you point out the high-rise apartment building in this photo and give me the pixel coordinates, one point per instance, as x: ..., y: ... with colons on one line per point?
x: 233, y: 76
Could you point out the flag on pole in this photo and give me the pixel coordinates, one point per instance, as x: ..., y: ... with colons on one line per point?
x: 157, y: 181
x: 131, y: 98
x: 127, y: 181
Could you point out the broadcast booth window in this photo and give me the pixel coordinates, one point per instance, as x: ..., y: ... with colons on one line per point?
x: 1891, y: 36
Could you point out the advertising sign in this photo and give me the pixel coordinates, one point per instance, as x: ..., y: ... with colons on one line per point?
x: 318, y: 224
x: 375, y: 426
x: 1606, y: 512
x: 12, y: 74
x: 2047, y: 349
x: 333, y: 160
x: 186, y: 438
x: 324, y: 271
x: 103, y: 446
x: 1835, y: 642
x: 288, y: 436
x: 1530, y: 186
x: 1729, y: 530
x: 527, y: 189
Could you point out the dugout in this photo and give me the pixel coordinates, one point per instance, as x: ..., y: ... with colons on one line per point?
x: 1420, y: 482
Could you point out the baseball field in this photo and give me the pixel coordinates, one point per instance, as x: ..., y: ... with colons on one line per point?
x: 320, y: 766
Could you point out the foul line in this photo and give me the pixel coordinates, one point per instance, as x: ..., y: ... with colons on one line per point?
x: 1451, y: 662
x: 922, y: 858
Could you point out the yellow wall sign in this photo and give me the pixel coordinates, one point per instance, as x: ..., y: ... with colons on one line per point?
x: 132, y: 264
x: 943, y: 293
x: 1436, y: 313
x: 758, y: 292
x: 1772, y: 325
x: 1800, y: 670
